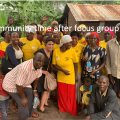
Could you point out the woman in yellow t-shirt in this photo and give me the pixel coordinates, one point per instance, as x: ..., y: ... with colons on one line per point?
x: 65, y: 61
x: 81, y: 30
x: 4, y: 44
x: 44, y: 37
x: 30, y: 44
x: 79, y: 51
x: 108, y: 35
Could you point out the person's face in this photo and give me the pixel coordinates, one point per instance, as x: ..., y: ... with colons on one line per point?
x: 103, y: 84
x: 19, y: 32
x: 39, y: 62
x: 29, y: 35
x: 118, y: 33
x: 68, y: 45
x: 57, y: 38
x: 66, y: 31
x: 15, y: 38
x: 87, y: 85
x: 87, y: 40
x: 44, y: 38
x: 93, y: 40
x: 7, y: 36
x: 107, y: 36
x: 82, y: 32
x: 50, y: 46
x: 11, y: 21
x: 74, y: 40
x: 54, y: 25
x: 49, y: 33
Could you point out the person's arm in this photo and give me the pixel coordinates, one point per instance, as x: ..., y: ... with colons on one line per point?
x: 11, y: 55
x: 112, y: 99
x: 35, y: 83
x: 21, y: 93
x: 76, y: 71
x: 44, y: 19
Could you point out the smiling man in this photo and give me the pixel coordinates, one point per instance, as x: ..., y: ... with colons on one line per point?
x: 18, y: 84
x: 103, y: 104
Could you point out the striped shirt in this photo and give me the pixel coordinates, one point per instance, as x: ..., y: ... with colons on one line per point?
x: 22, y: 75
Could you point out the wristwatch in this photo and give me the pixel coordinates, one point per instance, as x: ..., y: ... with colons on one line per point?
x: 34, y: 90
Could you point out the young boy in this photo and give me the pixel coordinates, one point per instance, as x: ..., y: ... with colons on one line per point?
x: 4, y: 99
x: 86, y: 90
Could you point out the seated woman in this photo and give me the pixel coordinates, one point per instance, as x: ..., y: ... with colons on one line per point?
x: 14, y: 53
x: 96, y: 55
x: 65, y: 61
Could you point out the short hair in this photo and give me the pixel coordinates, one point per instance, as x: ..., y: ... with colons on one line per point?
x: 0, y: 70
x: 49, y: 39
x: 88, y: 80
x: 44, y: 35
x: 74, y: 33
x: 12, y: 32
x: 34, y: 24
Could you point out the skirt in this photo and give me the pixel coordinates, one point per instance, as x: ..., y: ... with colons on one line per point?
x: 67, y: 98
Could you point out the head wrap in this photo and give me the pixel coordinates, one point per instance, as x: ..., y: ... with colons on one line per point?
x: 81, y: 26
x: 49, y: 29
x: 65, y: 39
x: 110, y: 31
x: 94, y: 33
x: 87, y: 34
x: 30, y: 28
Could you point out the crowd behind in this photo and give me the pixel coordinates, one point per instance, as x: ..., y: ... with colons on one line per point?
x: 39, y: 53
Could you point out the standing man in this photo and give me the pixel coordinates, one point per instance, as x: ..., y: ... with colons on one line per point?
x: 17, y: 84
x: 103, y: 104
x: 113, y: 61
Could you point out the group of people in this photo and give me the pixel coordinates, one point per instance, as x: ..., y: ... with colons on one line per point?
x: 37, y: 54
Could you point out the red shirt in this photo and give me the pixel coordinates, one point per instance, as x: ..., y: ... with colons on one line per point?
x: 2, y: 92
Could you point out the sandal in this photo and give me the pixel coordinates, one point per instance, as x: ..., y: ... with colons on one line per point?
x: 44, y: 111
x: 48, y: 106
x: 35, y: 115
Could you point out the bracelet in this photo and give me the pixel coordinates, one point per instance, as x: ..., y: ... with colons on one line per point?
x: 34, y: 90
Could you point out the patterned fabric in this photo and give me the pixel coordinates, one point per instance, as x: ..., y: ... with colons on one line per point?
x: 22, y: 75
x: 95, y: 57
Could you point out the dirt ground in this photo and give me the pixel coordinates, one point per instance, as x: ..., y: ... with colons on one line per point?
x: 53, y: 114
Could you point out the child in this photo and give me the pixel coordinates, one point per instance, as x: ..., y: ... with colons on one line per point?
x: 4, y: 99
x: 86, y: 90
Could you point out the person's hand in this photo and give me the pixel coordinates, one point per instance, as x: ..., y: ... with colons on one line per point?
x: 76, y: 79
x: 111, y: 79
x: 21, y: 44
x: 85, y: 59
x: 88, y: 95
x: 86, y: 90
x: 93, y: 72
x: 45, y: 72
x: 36, y: 94
x: 24, y: 102
x: 87, y: 118
x: 66, y: 72
x: 45, y: 18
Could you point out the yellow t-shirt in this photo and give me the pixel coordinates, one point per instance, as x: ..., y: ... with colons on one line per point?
x: 82, y: 41
x: 79, y: 50
x: 55, y: 46
x: 29, y: 48
x: 42, y: 46
x: 66, y: 61
x: 3, y: 46
x: 85, y: 99
x: 104, y: 45
x: 43, y: 43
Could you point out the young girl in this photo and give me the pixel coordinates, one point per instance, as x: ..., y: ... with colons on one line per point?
x: 86, y: 90
x: 4, y: 98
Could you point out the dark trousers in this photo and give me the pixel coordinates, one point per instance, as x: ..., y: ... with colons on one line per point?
x: 116, y: 86
x: 24, y: 112
x: 4, y: 104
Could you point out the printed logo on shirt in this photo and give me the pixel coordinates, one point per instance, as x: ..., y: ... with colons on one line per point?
x: 58, y: 58
x: 77, y: 51
x: 34, y: 47
x: 93, y: 56
x: 67, y: 58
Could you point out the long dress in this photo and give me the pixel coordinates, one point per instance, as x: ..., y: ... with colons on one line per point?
x: 40, y: 87
x: 95, y: 56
